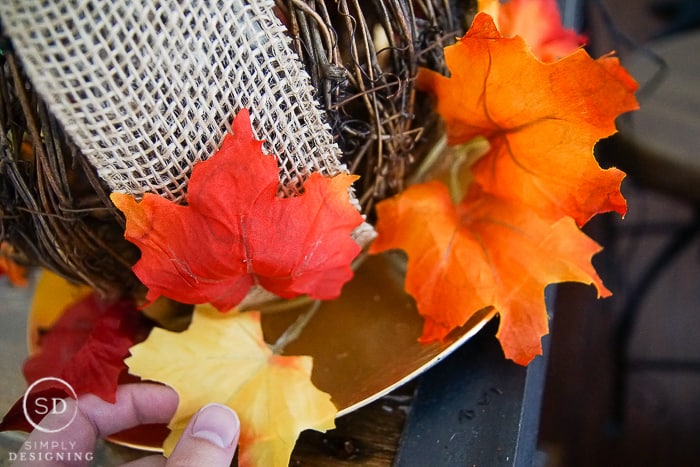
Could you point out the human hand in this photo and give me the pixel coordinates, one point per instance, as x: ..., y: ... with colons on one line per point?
x: 210, y: 438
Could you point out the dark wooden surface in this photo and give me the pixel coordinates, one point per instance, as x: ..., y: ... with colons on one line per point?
x: 369, y: 436
x: 473, y: 408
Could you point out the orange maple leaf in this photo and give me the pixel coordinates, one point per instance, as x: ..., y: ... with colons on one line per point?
x: 16, y: 274
x: 480, y: 253
x: 516, y: 229
x: 536, y: 21
x: 236, y: 232
x: 541, y: 119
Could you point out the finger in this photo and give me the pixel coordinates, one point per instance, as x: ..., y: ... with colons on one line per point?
x: 210, y: 438
x: 135, y: 404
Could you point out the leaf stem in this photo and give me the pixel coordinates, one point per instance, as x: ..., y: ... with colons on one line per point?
x: 429, y: 161
x: 295, y: 330
x: 463, y: 157
x: 282, y: 304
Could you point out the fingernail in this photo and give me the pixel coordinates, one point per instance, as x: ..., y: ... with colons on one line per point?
x: 216, y: 423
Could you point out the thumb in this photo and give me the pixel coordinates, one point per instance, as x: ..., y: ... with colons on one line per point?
x: 210, y: 438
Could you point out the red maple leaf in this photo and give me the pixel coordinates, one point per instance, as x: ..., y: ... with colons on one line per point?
x: 236, y: 232
x: 15, y: 418
x: 536, y: 21
x: 87, y: 345
x: 86, y: 348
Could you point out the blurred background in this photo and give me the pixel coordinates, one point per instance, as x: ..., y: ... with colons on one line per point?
x: 623, y: 383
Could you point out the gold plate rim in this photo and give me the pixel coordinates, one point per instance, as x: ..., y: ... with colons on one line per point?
x: 376, y: 314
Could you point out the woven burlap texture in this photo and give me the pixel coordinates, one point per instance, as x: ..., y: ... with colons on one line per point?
x: 147, y: 88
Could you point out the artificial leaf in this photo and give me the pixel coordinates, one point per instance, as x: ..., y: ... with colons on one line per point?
x: 16, y: 274
x: 538, y: 22
x: 541, y: 120
x: 480, y: 253
x: 223, y: 358
x: 236, y: 232
x: 87, y: 345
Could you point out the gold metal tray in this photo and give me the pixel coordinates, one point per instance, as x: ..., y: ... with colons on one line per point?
x: 364, y: 344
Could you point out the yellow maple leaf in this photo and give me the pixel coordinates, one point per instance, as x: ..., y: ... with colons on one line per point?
x: 52, y: 295
x: 223, y: 358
